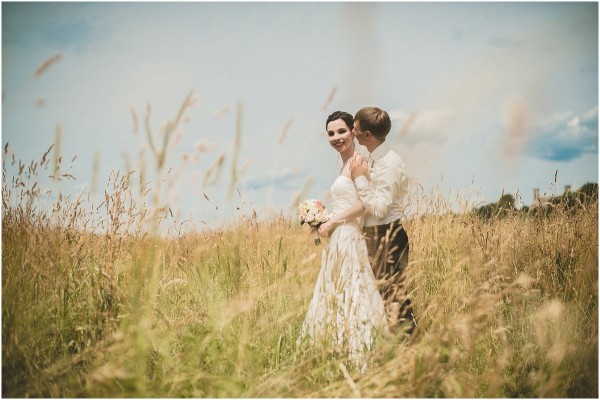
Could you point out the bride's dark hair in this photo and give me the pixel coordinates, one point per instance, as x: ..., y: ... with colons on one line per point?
x: 344, y: 116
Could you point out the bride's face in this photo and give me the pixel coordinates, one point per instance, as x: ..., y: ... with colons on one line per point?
x: 340, y: 135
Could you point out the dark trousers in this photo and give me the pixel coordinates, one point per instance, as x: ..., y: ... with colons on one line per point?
x: 388, y: 253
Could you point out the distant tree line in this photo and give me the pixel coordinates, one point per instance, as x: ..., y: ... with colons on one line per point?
x: 570, y: 200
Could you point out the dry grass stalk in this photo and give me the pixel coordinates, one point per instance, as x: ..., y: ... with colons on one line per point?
x: 329, y: 99
x: 47, y: 64
x: 99, y: 302
x: 236, y: 150
x: 284, y: 131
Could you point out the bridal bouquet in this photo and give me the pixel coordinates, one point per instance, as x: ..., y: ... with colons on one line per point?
x: 313, y: 213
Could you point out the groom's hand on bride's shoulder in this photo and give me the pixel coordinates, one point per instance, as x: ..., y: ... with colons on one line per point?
x: 358, y: 166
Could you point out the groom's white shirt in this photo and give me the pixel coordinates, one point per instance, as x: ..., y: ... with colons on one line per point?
x: 384, y: 196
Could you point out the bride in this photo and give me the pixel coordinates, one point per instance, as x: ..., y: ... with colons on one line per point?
x: 346, y: 309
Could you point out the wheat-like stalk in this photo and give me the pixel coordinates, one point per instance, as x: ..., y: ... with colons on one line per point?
x: 110, y: 298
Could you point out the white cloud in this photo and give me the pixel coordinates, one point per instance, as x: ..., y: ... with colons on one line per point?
x: 565, y: 136
x: 288, y: 178
x: 423, y: 161
x: 554, y: 120
x: 433, y: 126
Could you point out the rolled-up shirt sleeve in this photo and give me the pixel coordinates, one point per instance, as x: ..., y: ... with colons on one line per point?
x: 378, y: 198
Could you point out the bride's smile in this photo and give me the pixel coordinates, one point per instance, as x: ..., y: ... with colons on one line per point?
x: 340, y: 137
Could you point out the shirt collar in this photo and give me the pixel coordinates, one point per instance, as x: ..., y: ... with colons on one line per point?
x: 380, y: 151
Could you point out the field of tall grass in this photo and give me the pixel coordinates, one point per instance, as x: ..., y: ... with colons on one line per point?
x: 506, y: 307
x: 97, y: 303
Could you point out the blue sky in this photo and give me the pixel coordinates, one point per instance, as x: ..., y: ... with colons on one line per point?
x: 494, y: 97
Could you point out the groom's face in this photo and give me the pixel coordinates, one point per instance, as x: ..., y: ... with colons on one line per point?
x: 358, y: 133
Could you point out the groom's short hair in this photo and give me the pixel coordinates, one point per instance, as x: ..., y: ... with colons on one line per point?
x: 374, y: 120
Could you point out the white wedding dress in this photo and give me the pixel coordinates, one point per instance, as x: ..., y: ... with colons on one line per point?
x: 346, y: 309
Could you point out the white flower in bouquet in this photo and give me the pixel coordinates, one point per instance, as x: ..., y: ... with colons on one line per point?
x: 313, y: 213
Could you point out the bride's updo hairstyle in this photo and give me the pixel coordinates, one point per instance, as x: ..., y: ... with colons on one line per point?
x: 374, y: 120
x: 344, y: 116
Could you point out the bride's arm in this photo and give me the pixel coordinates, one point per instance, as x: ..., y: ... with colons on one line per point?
x: 355, y: 211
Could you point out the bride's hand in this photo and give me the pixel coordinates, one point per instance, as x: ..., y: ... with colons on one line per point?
x: 325, y: 229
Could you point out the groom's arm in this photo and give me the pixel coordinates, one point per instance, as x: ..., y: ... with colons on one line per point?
x: 377, y: 197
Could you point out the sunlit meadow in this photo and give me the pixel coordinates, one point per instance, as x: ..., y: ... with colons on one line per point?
x: 114, y: 299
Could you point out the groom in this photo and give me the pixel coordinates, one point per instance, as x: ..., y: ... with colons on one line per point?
x: 387, y: 241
